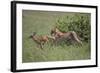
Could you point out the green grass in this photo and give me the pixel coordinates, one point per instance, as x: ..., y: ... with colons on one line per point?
x: 42, y: 22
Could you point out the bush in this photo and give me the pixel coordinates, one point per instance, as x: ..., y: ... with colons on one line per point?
x: 80, y: 23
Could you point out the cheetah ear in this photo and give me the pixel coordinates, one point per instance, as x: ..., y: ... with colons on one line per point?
x: 55, y: 26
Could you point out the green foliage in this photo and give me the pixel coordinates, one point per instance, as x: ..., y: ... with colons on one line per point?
x: 80, y: 23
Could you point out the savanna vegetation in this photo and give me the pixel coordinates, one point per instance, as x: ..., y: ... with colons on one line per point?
x: 42, y: 22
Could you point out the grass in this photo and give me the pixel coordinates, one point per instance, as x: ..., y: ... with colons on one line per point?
x: 42, y: 22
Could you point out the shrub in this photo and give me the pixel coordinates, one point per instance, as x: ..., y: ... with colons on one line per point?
x: 80, y: 23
